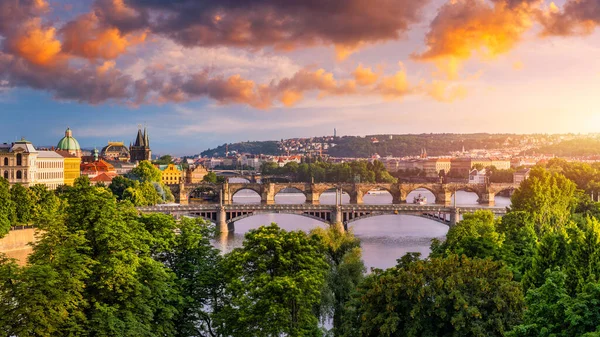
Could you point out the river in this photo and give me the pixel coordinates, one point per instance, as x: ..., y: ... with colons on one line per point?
x: 384, y: 238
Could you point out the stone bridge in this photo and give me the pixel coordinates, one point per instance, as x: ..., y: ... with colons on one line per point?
x: 399, y: 191
x: 225, y: 216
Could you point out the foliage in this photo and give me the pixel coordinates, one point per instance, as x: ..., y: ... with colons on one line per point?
x: 520, y: 242
x: 451, y: 296
x: 548, y: 196
x: 474, y: 236
x: 320, y: 171
x: 572, y: 148
x: 346, y: 269
x: 212, y: 178
x: 552, y: 312
x: 500, y: 176
x: 264, y: 147
x: 119, y: 184
x: 163, y: 160
x: 7, y: 208
x: 145, y: 172
x: 22, y: 199
x: 274, y: 284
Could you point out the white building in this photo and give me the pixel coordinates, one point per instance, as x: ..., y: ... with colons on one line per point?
x: 477, y: 177
x: 17, y: 162
x: 50, y: 167
x: 21, y: 163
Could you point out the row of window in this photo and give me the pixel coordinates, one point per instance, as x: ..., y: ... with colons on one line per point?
x: 23, y: 175
x: 56, y: 164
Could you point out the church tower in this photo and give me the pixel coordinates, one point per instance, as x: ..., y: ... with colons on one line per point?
x: 140, y: 150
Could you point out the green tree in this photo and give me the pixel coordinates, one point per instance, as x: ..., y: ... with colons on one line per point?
x: 7, y: 208
x: 346, y: 269
x: 199, y: 279
x: 474, y: 236
x: 119, y: 184
x: 552, y: 312
x: 24, y: 204
x: 210, y: 177
x: 551, y: 253
x: 163, y: 160
x: 273, y: 284
x: 520, y: 242
x: 449, y: 296
x: 146, y: 172
x: 548, y: 197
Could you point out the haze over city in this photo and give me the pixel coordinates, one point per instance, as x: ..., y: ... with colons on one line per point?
x: 225, y: 72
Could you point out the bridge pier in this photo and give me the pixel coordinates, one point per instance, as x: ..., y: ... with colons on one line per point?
x: 454, y: 216
x: 444, y: 198
x: 268, y: 194
x: 312, y: 197
x: 222, y: 221
x: 338, y: 217
x: 487, y: 198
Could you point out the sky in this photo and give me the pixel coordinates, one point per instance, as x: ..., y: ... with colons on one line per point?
x: 199, y: 74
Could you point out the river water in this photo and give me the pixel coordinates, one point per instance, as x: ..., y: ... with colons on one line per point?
x: 384, y: 238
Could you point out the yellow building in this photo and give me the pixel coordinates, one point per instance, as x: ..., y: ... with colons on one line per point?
x: 171, y: 174
x: 72, y: 167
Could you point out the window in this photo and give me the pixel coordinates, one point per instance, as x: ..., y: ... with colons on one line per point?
x: 19, y: 174
x: 5, y: 161
x: 5, y: 174
x: 19, y: 159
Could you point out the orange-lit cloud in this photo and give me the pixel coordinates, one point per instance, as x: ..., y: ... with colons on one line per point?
x: 86, y: 37
x: 365, y: 76
x: 577, y: 17
x: 395, y: 86
x: 465, y: 27
x: 35, y: 43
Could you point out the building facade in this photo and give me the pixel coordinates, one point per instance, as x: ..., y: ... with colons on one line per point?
x: 95, y: 168
x: 72, y: 167
x: 50, y: 169
x: 195, y: 175
x: 140, y: 150
x: 18, y: 162
x: 171, y: 174
x: 115, y: 151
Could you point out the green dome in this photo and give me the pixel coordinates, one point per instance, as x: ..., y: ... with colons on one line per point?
x: 68, y: 143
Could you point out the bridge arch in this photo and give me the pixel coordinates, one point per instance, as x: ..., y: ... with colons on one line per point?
x: 249, y: 215
x: 374, y: 215
x: 378, y: 194
x: 347, y: 195
x: 203, y: 194
x: 246, y: 193
x: 296, y: 195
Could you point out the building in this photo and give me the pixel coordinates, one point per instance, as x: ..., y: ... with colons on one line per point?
x: 171, y: 174
x: 477, y: 177
x: 69, y: 144
x: 433, y: 167
x: 95, y: 168
x: 500, y: 164
x: 194, y: 175
x: 140, y: 150
x: 50, y: 169
x: 122, y: 167
x: 72, y: 167
x: 115, y: 151
x: 104, y: 178
x: 521, y: 175
x: 18, y: 162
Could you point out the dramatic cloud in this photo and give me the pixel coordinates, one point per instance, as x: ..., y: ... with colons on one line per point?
x: 86, y: 37
x: 489, y: 28
x: 578, y: 17
x: 346, y: 24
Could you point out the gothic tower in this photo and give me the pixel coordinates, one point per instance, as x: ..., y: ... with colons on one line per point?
x: 140, y: 150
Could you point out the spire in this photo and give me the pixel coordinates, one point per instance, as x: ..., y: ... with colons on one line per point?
x: 146, y: 138
x: 139, y: 140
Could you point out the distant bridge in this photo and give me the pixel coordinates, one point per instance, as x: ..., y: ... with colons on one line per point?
x: 225, y: 216
x: 399, y: 191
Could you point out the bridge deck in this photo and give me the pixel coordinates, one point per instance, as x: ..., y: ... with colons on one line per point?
x: 401, y: 208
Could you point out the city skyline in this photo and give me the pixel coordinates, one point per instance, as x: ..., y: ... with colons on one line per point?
x: 504, y: 67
